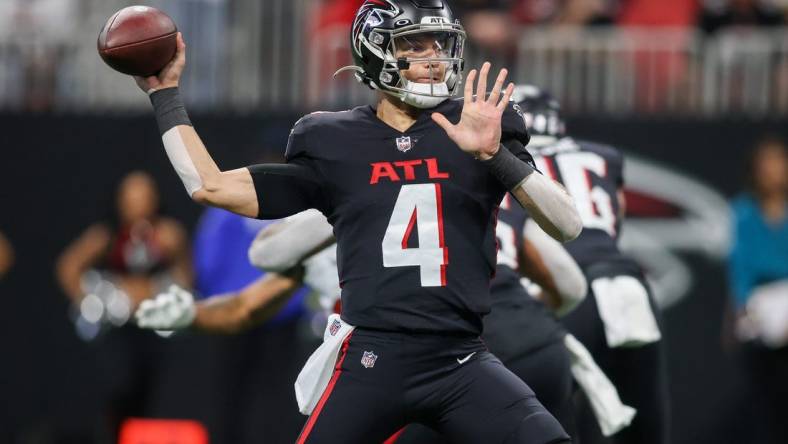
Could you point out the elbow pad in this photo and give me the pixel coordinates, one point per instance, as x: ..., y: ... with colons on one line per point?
x: 284, y: 244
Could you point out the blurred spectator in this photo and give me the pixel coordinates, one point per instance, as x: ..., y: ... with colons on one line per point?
x: 138, y: 250
x: 760, y: 252
x: 489, y: 24
x: 326, y: 43
x: 759, y: 278
x: 204, y: 26
x: 6, y: 255
x: 106, y: 272
x: 40, y: 31
x: 565, y: 12
x: 717, y: 14
x: 335, y: 13
x: 668, y: 13
x: 250, y: 379
x: 662, y: 73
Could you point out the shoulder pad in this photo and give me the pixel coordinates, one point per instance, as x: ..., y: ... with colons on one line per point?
x: 298, y: 142
x: 513, y: 124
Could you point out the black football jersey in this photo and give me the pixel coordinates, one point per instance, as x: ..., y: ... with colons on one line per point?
x: 592, y: 173
x: 413, y: 215
x: 518, y: 323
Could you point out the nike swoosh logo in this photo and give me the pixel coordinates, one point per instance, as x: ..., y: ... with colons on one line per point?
x: 465, y: 359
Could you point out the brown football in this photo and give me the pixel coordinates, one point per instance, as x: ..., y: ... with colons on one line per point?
x: 138, y: 40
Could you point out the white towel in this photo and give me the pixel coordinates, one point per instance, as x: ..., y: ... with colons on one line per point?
x: 611, y: 414
x: 317, y: 372
x: 625, y: 312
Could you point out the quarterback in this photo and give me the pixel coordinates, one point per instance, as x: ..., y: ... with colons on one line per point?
x: 410, y: 186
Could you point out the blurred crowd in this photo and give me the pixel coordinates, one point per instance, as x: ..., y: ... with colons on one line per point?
x: 40, y: 40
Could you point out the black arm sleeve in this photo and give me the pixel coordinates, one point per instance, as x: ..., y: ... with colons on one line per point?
x: 519, y: 151
x: 285, y: 189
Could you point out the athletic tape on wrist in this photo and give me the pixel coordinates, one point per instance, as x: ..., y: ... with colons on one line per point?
x: 507, y: 168
x: 169, y: 109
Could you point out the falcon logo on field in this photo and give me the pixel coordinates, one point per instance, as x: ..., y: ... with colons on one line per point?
x: 334, y: 327
x: 369, y: 358
x: 404, y: 144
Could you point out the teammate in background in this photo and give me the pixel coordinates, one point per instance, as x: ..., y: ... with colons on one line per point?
x: 629, y: 349
x: 520, y: 330
x: 410, y: 186
x: 6, y: 255
x: 221, y: 241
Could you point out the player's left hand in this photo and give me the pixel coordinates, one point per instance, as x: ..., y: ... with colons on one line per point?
x: 479, y: 130
x: 173, y: 310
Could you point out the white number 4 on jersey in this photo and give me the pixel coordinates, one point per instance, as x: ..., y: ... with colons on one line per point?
x: 418, y: 205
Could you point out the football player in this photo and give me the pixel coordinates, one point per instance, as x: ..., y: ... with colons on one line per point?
x: 618, y: 322
x: 410, y: 186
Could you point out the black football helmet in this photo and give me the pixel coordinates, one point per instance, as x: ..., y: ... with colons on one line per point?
x: 383, y: 29
x: 542, y: 114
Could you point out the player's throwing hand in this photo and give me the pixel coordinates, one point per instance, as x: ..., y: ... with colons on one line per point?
x: 173, y: 310
x: 479, y: 129
x: 170, y: 75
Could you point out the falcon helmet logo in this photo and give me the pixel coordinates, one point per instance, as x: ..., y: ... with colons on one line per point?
x: 369, y: 358
x: 370, y: 15
x: 404, y: 144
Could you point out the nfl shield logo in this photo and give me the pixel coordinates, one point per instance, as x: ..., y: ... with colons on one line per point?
x: 368, y: 360
x: 403, y: 143
x: 334, y: 327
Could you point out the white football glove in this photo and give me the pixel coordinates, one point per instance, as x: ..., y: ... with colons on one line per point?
x: 173, y: 310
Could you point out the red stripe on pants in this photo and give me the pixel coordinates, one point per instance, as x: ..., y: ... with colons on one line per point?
x: 334, y: 378
x: 393, y: 438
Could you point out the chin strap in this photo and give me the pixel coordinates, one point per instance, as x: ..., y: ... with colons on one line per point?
x: 361, y: 76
